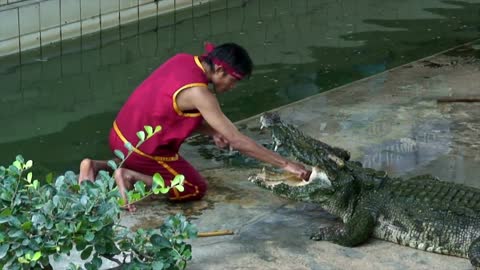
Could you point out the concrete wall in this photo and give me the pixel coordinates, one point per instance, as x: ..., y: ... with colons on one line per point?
x: 30, y: 24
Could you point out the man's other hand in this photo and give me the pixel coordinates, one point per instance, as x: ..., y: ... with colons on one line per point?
x: 220, y: 141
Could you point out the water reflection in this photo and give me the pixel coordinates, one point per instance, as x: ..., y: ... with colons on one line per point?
x: 430, y: 138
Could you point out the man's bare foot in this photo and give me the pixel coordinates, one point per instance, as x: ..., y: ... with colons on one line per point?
x: 87, y: 171
x: 129, y: 207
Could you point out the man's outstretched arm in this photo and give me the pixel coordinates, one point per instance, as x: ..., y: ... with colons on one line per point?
x: 207, y: 104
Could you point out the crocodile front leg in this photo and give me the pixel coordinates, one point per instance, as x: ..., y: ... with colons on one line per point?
x: 474, y: 253
x: 357, y: 230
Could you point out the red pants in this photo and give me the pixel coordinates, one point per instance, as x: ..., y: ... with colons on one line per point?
x: 194, y: 185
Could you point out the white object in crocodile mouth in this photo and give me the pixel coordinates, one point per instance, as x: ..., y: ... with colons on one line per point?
x: 272, y: 179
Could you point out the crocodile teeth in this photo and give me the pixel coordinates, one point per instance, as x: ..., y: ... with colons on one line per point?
x: 337, y: 160
x: 320, y: 175
x: 262, y: 125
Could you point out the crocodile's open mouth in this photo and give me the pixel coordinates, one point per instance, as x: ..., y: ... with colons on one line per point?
x: 271, y: 179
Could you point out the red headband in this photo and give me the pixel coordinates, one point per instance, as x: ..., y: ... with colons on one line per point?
x: 229, y: 69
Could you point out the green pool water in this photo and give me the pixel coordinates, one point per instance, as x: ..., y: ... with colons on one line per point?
x: 57, y: 103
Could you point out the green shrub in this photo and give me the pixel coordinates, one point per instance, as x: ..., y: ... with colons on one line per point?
x: 40, y: 220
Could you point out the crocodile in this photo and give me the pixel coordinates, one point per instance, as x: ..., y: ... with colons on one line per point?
x: 422, y: 212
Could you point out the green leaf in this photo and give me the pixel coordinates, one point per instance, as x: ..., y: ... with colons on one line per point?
x: 90, y: 266
x: 29, y: 177
x: 6, y: 212
x: 149, y: 131
x: 17, y: 164
x: 49, y: 178
x: 160, y: 241
x: 97, y: 262
x: 16, y: 234
x: 36, y: 256
x: 59, y: 181
x: 80, y: 243
x: 121, y: 202
x: 84, y: 200
x: 141, y: 136
x: 36, y: 184
x: 140, y: 187
x: 180, y: 188
x: 164, y: 190
x: 3, y: 250
x: 93, y: 218
x: 133, y: 197
x: 192, y: 231
x: 6, y: 196
x: 19, y: 252
x: 62, y: 227
x: 56, y: 200
x: 39, y: 219
x: 20, y: 159
x: 29, y: 164
x: 78, y: 226
x: 48, y: 207
x: 4, y: 219
x: 157, y: 265
x: 129, y: 146
x: 17, y: 201
x: 23, y: 260
x: 13, y: 170
x: 14, y: 221
x: 178, y: 180
x: 72, y: 266
x: 86, y: 253
x: 27, y: 225
x: 158, y: 179
x: 119, y: 154
x: 157, y: 129
x: 112, y: 164
x: 89, y: 236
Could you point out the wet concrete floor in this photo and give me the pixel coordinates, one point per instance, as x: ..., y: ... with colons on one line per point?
x: 391, y: 121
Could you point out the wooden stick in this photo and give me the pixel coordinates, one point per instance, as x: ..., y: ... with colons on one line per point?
x: 215, y: 233
x: 453, y: 99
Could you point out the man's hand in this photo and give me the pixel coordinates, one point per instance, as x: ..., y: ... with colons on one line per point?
x: 298, y: 170
x: 220, y: 141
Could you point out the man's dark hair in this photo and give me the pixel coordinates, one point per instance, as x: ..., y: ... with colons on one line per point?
x: 234, y: 55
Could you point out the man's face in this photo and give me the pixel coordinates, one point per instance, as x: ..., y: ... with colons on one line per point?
x: 222, y: 80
